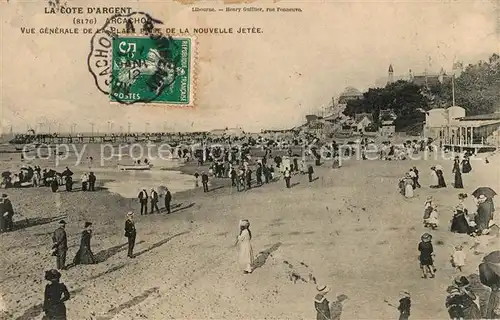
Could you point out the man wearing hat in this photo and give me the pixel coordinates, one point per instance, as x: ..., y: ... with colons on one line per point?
x: 321, y: 304
x: 404, y: 305
x: 143, y: 200
x: 168, y: 200
x: 154, y: 201
x: 483, y: 214
x: 60, y: 245
x: 7, y: 212
x: 130, y: 233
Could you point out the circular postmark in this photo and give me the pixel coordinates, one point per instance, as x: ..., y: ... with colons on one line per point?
x: 133, y: 66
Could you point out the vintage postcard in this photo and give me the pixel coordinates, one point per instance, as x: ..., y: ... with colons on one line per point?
x: 249, y: 159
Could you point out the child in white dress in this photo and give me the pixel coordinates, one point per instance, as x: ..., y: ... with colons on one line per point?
x: 458, y: 258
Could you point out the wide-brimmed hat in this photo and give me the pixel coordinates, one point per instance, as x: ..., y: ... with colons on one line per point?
x: 62, y: 222
x: 52, y: 275
x: 482, y: 197
x: 130, y: 213
x: 426, y: 237
x: 404, y: 294
x: 324, y: 289
x: 244, y: 223
x: 88, y: 224
x: 4, y: 195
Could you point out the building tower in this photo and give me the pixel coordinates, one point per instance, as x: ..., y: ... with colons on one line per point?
x: 391, y: 75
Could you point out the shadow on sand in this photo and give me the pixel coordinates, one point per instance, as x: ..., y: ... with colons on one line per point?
x: 26, y: 223
x: 263, y: 255
x: 294, y: 184
x: 179, y: 207
x: 129, y: 304
x: 160, y: 243
x: 105, y: 254
x: 36, y: 310
x: 110, y: 270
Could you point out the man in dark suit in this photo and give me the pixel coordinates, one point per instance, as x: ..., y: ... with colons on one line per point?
x: 7, y: 212
x: 60, y: 246
x: 204, y: 181
x: 130, y: 233
x: 168, y: 199
x: 143, y: 200
x: 154, y: 201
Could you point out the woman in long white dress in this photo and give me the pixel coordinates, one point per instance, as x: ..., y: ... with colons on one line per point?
x: 434, y: 178
x: 245, y: 254
x: 408, y: 183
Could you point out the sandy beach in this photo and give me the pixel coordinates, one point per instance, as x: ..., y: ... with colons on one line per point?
x: 350, y: 228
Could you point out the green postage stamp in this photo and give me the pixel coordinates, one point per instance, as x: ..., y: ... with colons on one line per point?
x: 153, y: 69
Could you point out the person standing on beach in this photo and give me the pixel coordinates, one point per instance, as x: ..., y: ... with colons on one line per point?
x: 54, y: 185
x: 85, y: 180
x: 7, y: 211
x: 168, y: 200
x: 60, y: 241
x: 130, y: 233
x: 143, y: 200
x: 458, y: 174
x: 92, y: 180
x: 287, y: 177
x: 56, y: 293
x: 310, y: 172
x: 426, y: 253
x: 416, y: 177
x: 154, y: 201
x: 246, y: 258
x: 321, y: 303
x: 204, y: 181
x: 196, y: 181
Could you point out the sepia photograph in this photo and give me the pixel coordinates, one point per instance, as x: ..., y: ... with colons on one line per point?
x: 249, y: 159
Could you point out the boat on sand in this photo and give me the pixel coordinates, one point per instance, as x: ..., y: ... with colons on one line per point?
x: 135, y: 167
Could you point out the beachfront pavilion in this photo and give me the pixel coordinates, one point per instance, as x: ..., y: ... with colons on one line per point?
x: 471, y: 134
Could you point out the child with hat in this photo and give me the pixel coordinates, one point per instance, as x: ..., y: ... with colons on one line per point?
x: 458, y: 258
x: 426, y: 254
x: 321, y: 303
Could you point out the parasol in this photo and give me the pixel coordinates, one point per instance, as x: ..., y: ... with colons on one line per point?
x: 6, y: 174
x: 489, y: 269
x: 486, y: 191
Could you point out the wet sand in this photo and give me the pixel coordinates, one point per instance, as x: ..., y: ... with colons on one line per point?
x: 350, y: 228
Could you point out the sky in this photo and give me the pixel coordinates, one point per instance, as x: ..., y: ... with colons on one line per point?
x: 254, y: 81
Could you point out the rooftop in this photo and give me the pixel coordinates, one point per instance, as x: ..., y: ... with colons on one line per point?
x: 489, y: 116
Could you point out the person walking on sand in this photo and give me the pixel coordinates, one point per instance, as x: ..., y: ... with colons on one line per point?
x: 7, y: 211
x: 54, y: 185
x: 196, y: 179
x: 168, y: 200
x: 440, y: 176
x: 56, y: 293
x: 60, y: 240
x: 404, y: 305
x: 154, y: 201
x: 143, y: 200
x: 130, y: 233
x: 321, y: 303
x: 426, y: 253
x: 245, y: 254
x: 287, y: 177
x: 310, y: 172
x: 416, y: 177
x: 204, y: 181
x: 408, y: 186
x: 458, y: 174
x: 84, y: 254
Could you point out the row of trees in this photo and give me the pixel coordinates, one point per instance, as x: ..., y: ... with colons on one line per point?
x: 477, y: 89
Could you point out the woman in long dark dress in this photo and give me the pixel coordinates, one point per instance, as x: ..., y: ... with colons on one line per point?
x: 56, y: 294
x: 466, y: 298
x: 459, y: 222
x: 458, y: 175
x: 440, y: 175
x: 84, y: 254
x: 466, y: 167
